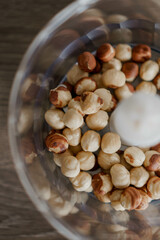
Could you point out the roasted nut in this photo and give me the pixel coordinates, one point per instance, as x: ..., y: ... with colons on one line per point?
x: 98, y: 67
x: 105, y: 52
x: 141, y: 53
x: 134, y: 156
x: 130, y: 198
x: 120, y: 176
x: 58, y: 157
x: 111, y: 143
x: 139, y: 176
x: 70, y: 166
x: 113, y: 104
x: 146, y: 87
x: 56, y: 143
x: 74, y: 74
x: 90, y: 141
x: 60, y: 96
x: 124, y: 163
x: 86, y: 159
x: 73, y: 119
x: 130, y: 69
x: 90, y: 102
x: 152, y: 161
x: 156, y: 148
x: 54, y: 118
x: 98, y: 79
x: 153, y: 187
x: 75, y: 149
x: 75, y: 104
x: 97, y: 121
x: 103, y: 198
x: 86, y: 62
x: 73, y: 136
x: 149, y: 70
x: 82, y: 181
x: 156, y: 81
x: 68, y: 86
x: 123, y: 52
x: 106, y: 96
x: 144, y: 202
x: 113, y: 63
x: 124, y: 92
x: 106, y: 161
x: 113, y: 78
x: 85, y: 84
x: 101, y: 183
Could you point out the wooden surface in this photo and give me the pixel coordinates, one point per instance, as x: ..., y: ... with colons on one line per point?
x: 20, y: 21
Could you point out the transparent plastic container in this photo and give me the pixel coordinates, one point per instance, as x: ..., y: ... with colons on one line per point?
x: 83, y: 25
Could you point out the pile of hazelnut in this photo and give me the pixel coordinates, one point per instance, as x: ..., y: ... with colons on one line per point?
x: 128, y: 179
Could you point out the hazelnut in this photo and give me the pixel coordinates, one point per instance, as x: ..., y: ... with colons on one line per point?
x: 86, y: 62
x: 146, y: 87
x: 116, y: 18
x: 156, y: 148
x: 156, y: 81
x: 75, y: 149
x: 102, y: 198
x: 98, y: 79
x: 82, y: 181
x: 98, y: 67
x: 25, y: 120
x: 106, y: 96
x: 58, y: 157
x: 130, y: 69
x: 149, y: 70
x: 105, y: 52
x: 111, y: 142
x: 73, y: 119
x: 124, y: 92
x: 139, y: 176
x: 153, y: 187
x: 101, y: 183
x: 85, y: 84
x: 90, y: 189
x: 117, y: 206
x: 120, y: 176
x: 73, y: 136
x: 70, y: 166
x: 123, y: 52
x: 106, y: 161
x: 75, y: 74
x: 113, y: 104
x: 113, y: 78
x: 56, y: 143
x: 60, y: 96
x: 115, y: 195
x: 113, y: 63
x: 86, y: 159
x: 54, y: 118
x: 97, y: 121
x: 141, y: 53
x: 134, y: 156
x: 75, y: 104
x: 130, y: 198
x: 90, y: 141
x: 124, y: 163
x: 152, y: 161
x: 144, y: 202
x: 90, y: 102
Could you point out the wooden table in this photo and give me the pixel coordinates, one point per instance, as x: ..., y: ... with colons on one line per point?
x: 20, y: 21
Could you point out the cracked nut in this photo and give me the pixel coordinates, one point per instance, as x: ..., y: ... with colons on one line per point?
x: 113, y: 63
x: 75, y: 104
x: 153, y: 187
x: 130, y: 69
x: 156, y: 148
x: 105, y: 52
x: 97, y: 121
x: 139, y: 176
x: 56, y: 143
x: 101, y: 183
x: 123, y: 52
x: 90, y: 141
x: 146, y: 87
x: 106, y: 97
x: 70, y: 166
x: 141, y: 53
x: 86, y: 84
x: 113, y: 78
x: 58, y: 157
x: 75, y: 74
x: 73, y: 136
x: 73, y: 119
x: 111, y: 142
x: 87, y: 160
x: 60, y: 96
x: 152, y: 161
x: 149, y: 70
x: 131, y: 198
x: 81, y: 182
x: 86, y: 62
x: 134, y: 156
x: 54, y: 118
x: 120, y: 176
x: 124, y: 92
x: 156, y: 81
x: 106, y: 161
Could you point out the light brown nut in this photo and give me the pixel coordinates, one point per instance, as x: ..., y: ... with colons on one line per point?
x: 113, y: 63
x: 115, y: 195
x: 74, y: 74
x: 117, y: 206
x: 54, y: 118
x: 86, y: 62
x: 90, y: 102
x: 139, y: 176
x: 105, y: 52
x: 103, y: 198
x: 146, y: 87
x: 124, y: 163
x: 97, y: 121
x: 134, y: 156
x: 58, y: 157
x: 90, y: 141
x: 75, y: 149
x: 85, y: 84
x: 73, y: 119
x: 70, y: 166
x: 116, y: 18
x: 156, y: 81
x: 106, y: 96
x: 130, y: 198
x: 123, y: 52
x: 141, y: 53
x: 120, y: 176
x: 113, y: 104
x: 156, y: 148
x: 130, y: 69
x: 73, y: 136
x: 82, y: 181
x: 111, y: 142
x: 106, y: 161
x: 98, y: 79
x: 149, y: 70
x: 113, y: 78
x: 56, y: 143
x: 75, y: 104
x: 60, y: 96
x: 124, y: 92
x: 86, y: 159
x: 152, y: 161
x: 153, y: 187
x: 101, y: 183
x: 144, y: 202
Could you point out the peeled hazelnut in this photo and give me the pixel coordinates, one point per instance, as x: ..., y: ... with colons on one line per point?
x: 85, y: 84
x: 117, y: 206
x: 90, y: 102
x: 75, y: 149
x: 144, y: 202
x: 113, y: 104
x: 90, y: 141
x: 82, y: 181
x: 73, y: 119
x: 149, y: 70
x: 153, y: 187
x: 58, y: 157
x: 90, y: 189
x: 106, y: 96
x: 123, y: 52
x: 73, y: 136
x: 152, y: 161
x: 56, y: 143
x: 103, y: 198
x: 134, y: 156
x: 139, y: 176
x: 97, y: 121
x: 54, y: 118
x: 106, y: 161
x: 120, y: 176
x: 124, y: 92
x: 156, y: 148
x: 86, y: 62
x: 111, y: 142
x: 75, y: 104
x: 113, y: 63
x: 141, y: 53
x: 115, y: 195
x: 130, y: 69
x: 70, y: 166
x: 60, y: 96
x: 101, y: 183
x: 146, y: 87
x: 113, y: 78
x: 130, y: 198
x: 124, y: 163
x: 105, y: 52
x: 74, y: 74
x: 98, y: 79
x: 86, y: 159
x: 156, y: 81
